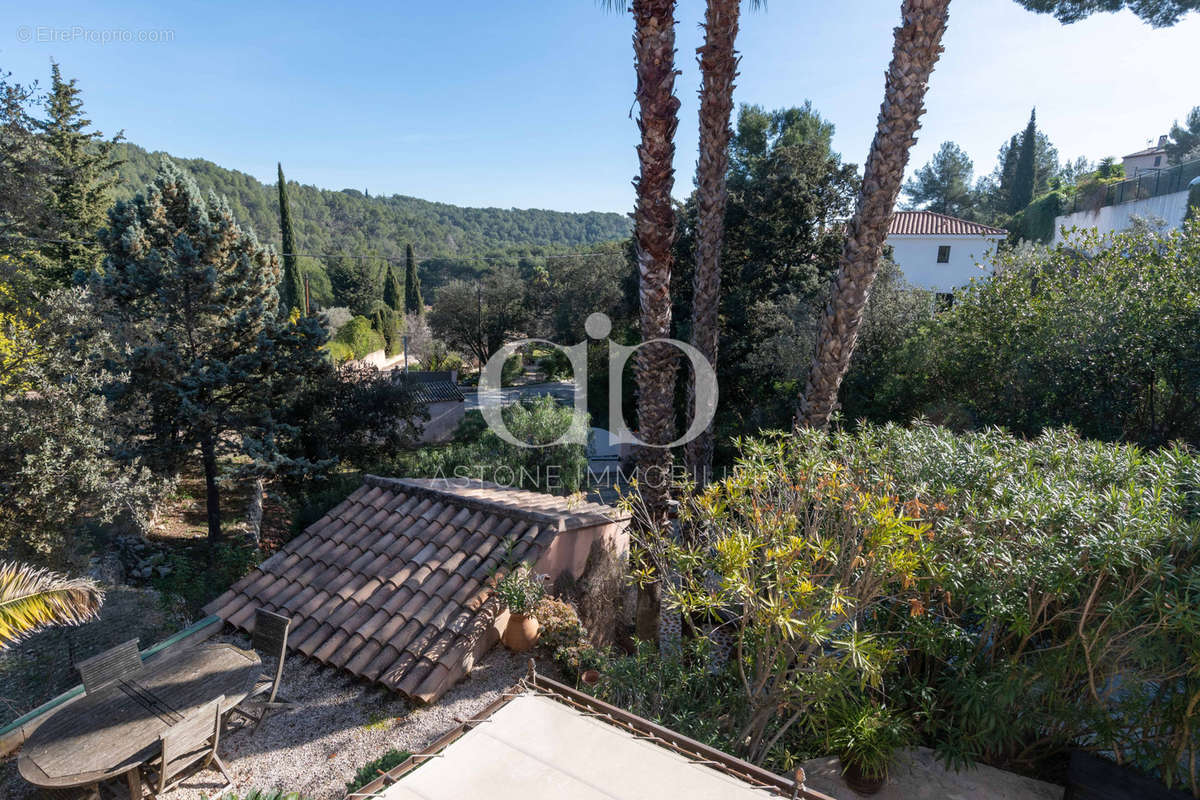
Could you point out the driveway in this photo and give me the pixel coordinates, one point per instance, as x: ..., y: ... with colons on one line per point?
x: 562, y: 391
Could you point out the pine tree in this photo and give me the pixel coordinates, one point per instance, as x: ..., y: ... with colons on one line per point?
x: 1184, y: 139
x: 209, y: 362
x: 413, y: 303
x: 393, y: 292
x: 291, y: 289
x: 1025, y: 177
x: 944, y: 184
x: 24, y: 181
x: 355, y: 282
x: 82, y: 171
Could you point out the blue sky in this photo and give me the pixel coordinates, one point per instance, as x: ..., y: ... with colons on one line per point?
x: 527, y: 103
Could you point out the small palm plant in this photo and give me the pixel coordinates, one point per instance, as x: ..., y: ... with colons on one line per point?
x: 866, y: 737
x: 32, y: 599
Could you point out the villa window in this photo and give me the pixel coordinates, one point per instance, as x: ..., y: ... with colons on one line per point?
x: 944, y: 254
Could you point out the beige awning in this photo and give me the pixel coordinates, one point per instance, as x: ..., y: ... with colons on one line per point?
x: 534, y: 748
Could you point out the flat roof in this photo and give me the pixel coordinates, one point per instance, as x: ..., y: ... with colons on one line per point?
x: 535, y: 748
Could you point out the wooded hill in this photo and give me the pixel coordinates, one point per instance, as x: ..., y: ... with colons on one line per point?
x: 350, y: 221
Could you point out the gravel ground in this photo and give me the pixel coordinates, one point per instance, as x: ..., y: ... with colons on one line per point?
x: 342, y: 724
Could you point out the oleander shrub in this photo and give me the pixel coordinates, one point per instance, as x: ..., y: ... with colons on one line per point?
x: 791, y: 556
x: 1009, y: 598
x: 1062, y: 604
x: 677, y: 689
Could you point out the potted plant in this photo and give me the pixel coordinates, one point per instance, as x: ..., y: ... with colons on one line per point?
x: 520, y: 591
x: 866, y: 736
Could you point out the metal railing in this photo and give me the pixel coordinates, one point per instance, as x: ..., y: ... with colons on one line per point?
x: 1149, y: 184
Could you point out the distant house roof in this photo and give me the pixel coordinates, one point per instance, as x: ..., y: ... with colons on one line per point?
x: 392, y: 585
x: 1149, y: 151
x: 430, y: 387
x: 929, y: 223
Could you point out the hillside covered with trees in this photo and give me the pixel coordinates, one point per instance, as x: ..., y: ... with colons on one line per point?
x: 329, y: 221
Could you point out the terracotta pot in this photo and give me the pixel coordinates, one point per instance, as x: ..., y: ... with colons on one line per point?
x: 521, y: 633
x: 861, y: 783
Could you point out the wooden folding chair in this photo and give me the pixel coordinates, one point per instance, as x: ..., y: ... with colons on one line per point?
x: 192, y: 741
x: 269, y: 638
x: 100, y: 670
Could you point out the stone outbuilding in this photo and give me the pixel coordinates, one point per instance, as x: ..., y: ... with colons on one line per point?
x: 394, y: 585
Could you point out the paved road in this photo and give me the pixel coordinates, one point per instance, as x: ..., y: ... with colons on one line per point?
x: 562, y: 391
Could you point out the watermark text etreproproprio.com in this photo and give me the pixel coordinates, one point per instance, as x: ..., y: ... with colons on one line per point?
x: 78, y: 33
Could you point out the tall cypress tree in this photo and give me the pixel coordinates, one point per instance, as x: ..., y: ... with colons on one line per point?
x: 413, y: 303
x: 1025, y: 177
x: 291, y: 291
x: 82, y: 170
x: 1008, y: 170
x: 210, y: 364
x: 393, y: 292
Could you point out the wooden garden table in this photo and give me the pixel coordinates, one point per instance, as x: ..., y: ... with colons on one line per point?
x: 114, y: 730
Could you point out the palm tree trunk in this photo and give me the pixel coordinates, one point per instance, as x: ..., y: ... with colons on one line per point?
x: 654, y: 232
x: 914, y: 54
x: 654, y: 229
x: 718, y: 69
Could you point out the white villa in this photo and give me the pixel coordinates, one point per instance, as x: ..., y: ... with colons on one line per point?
x: 940, y: 252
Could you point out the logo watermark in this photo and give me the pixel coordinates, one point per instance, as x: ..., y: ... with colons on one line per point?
x: 43, y: 34
x: 553, y: 477
x: 598, y: 326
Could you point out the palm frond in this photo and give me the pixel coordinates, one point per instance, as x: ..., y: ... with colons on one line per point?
x: 32, y: 599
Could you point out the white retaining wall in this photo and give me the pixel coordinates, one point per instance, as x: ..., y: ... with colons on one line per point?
x: 1113, y: 219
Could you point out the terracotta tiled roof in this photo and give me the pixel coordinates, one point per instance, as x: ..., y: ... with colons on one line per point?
x: 393, y: 585
x: 929, y: 223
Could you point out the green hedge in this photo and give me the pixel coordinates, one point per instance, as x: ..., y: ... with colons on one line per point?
x: 1036, y: 222
x: 1099, y: 334
x: 356, y: 339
